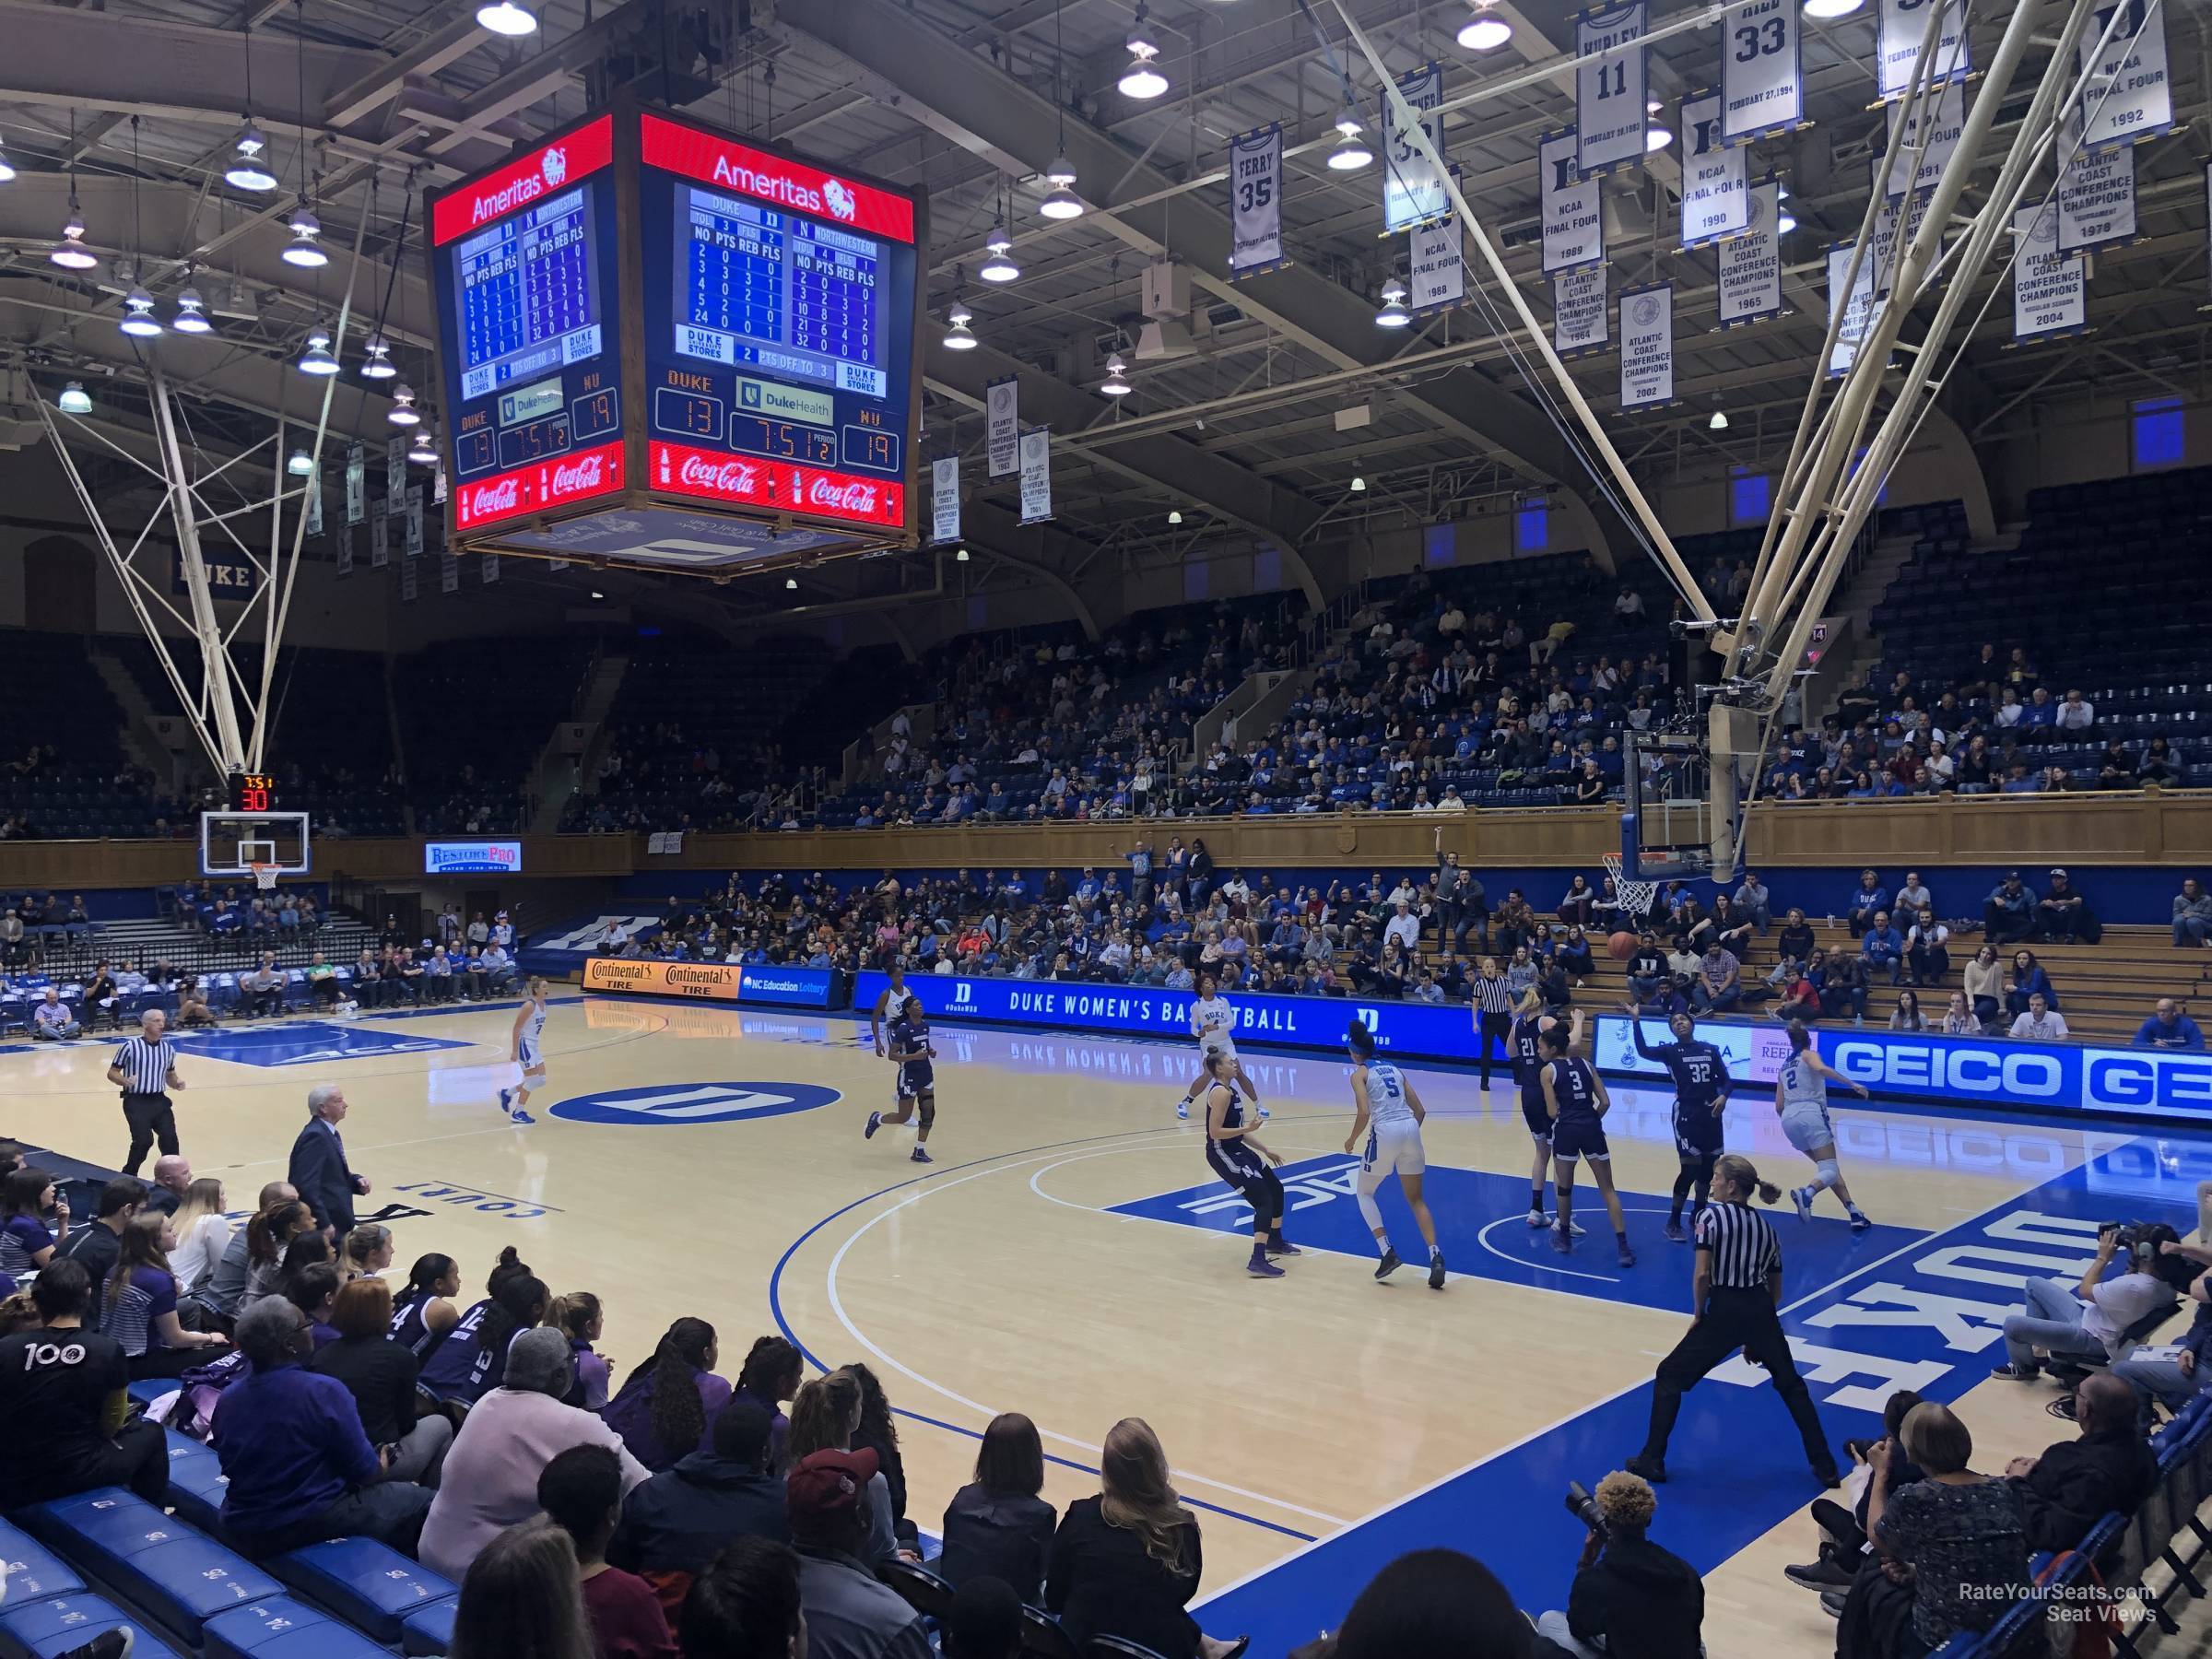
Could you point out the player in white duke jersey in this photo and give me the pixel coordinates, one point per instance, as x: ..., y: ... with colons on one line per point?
x: 527, y: 1049
x: 888, y: 1005
x: 1212, y: 1021
x: 1389, y: 1116
x: 1801, y: 1101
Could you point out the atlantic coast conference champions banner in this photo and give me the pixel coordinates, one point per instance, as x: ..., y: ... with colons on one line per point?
x: 2097, y: 199
x: 2050, y: 289
x: 1647, y: 346
x: 1573, y: 229
x: 1762, y: 70
x: 1750, y: 264
x: 1609, y: 88
x: 945, y: 498
x: 1578, y: 314
x: 1256, y: 201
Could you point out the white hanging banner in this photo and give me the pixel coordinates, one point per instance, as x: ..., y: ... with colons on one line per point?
x: 945, y: 499
x: 2127, y: 94
x: 356, y: 484
x: 1574, y: 233
x: 1435, y: 268
x: 449, y: 574
x: 2050, y: 289
x: 2097, y: 199
x: 1036, y: 477
x: 1948, y: 108
x: 1647, y: 346
x: 395, y: 474
x: 488, y: 567
x: 1579, y: 312
x: 341, y: 542
x: 413, y: 545
x: 1413, y: 190
x: 1750, y: 264
x: 1897, y: 47
x: 1002, y: 414
x: 1762, y: 70
x: 1892, y: 220
x: 1861, y: 308
x: 314, y: 502
x: 438, y: 485
x: 2209, y: 212
x: 1609, y: 88
x: 379, y: 539
x: 1716, y: 190
x: 409, y: 583
x: 1256, y: 201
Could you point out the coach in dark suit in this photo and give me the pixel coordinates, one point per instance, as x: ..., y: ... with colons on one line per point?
x: 319, y: 1170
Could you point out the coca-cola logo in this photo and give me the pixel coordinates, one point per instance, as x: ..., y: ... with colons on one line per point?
x: 722, y: 477
x: 574, y: 475
x: 502, y: 497
x: 856, y: 495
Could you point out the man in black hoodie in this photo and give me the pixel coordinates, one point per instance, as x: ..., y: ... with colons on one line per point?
x: 2076, y: 1483
x: 673, y: 1526
x: 1631, y: 1598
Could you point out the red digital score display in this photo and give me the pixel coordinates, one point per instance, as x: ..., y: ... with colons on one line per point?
x: 252, y: 791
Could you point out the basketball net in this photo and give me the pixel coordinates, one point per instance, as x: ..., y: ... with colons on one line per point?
x: 265, y: 875
x: 1635, y: 896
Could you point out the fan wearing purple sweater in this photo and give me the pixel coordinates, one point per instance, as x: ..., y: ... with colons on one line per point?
x: 667, y: 1405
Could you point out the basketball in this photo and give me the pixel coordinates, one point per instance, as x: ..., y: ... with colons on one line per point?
x: 1622, y: 945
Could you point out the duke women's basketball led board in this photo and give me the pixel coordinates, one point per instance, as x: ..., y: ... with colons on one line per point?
x: 666, y: 346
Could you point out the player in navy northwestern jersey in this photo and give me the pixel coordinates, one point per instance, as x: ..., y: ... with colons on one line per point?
x: 1524, y: 1048
x: 1576, y: 1096
x: 911, y: 1051
x: 1234, y: 1152
x: 1701, y: 1084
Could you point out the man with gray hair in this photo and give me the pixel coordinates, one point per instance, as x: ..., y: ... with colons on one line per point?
x: 318, y: 1167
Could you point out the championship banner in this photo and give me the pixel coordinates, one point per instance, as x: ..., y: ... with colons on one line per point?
x: 1578, y: 314
x: 2097, y: 199
x: 414, y: 524
x: 1609, y: 88
x: 1036, y: 477
x: 356, y: 484
x: 945, y: 499
x: 1891, y: 221
x: 1762, y: 71
x: 379, y: 539
x: 1413, y: 190
x: 1897, y: 46
x: 410, y: 584
x: 488, y: 567
x: 2127, y: 93
x: 438, y: 485
x: 1859, y: 309
x: 395, y: 473
x: 1647, y: 346
x: 341, y: 542
x: 1437, y: 268
x: 449, y: 574
x: 314, y: 502
x: 1002, y: 405
x: 1574, y: 233
x: 1948, y: 120
x: 1717, y: 193
x: 1256, y: 201
x: 1750, y: 264
x: 2050, y: 289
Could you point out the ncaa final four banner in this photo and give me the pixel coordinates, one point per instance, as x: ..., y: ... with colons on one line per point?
x: 1578, y: 314
x: 2050, y: 289
x: 2097, y: 199
x: 1898, y: 39
x: 1750, y: 264
x: 1938, y: 121
x: 1036, y: 477
x: 2127, y: 93
x: 1413, y: 190
x: 1255, y: 202
x: 1573, y: 229
x: 1435, y: 268
x: 1609, y: 88
x: 1762, y: 71
x: 1002, y: 416
x: 945, y: 498
x: 1716, y: 194
x: 1647, y: 346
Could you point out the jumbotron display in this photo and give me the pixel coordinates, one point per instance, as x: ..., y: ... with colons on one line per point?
x: 752, y: 399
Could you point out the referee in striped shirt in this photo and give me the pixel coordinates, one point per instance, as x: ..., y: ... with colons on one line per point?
x: 146, y: 1070
x: 1493, y: 996
x: 1738, y: 1289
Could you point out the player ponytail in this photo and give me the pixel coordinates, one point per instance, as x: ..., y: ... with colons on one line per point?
x: 1361, y: 1041
x: 1800, y: 1038
x: 1740, y: 1174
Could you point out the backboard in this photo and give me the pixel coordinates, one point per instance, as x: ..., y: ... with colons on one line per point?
x: 233, y: 842
x: 1666, y: 810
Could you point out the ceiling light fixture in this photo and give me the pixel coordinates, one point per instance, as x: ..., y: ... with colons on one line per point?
x: 316, y: 358
x: 1142, y: 78
x: 423, y: 451
x: 1359, y: 485
x: 1351, y: 153
x: 1827, y: 10
x: 138, y: 317
x: 997, y: 266
x: 1174, y: 515
x: 246, y: 170
x: 75, y: 399
x: 403, y: 412
x: 70, y: 253
x: 1063, y: 203
x: 1656, y: 138
x: 1484, y: 31
x: 7, y: 169
x: 1394, y: 313
x: 961, y: 556
x: 791, y: 585
x: 302, y: 464
x: 1719, y: 423
x: 192, y: 315
x: 376, y: 363
x: 303, y: 252
x: 506, y: 17
x: 1117, y: 384
x: 959, y: 336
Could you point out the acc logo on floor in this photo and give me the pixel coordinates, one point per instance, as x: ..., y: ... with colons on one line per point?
x: 695, y: 1102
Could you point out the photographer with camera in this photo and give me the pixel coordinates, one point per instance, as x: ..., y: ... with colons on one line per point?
x: 2092, y: 1319
x: 1631, y: 1598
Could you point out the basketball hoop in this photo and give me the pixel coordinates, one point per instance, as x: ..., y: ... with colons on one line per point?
x: 1635, y: 896
x: 265, y: 875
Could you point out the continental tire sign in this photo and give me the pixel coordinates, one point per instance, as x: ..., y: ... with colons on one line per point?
x: 712, y: 982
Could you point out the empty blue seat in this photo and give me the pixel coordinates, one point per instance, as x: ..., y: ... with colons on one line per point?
x: 429, y: 1632
x: 197, y: 1483
x: 33, y: 1574
x: 368, y: 1585
x: 179, y: 1575
x: 280, y: 1628
x: 147, y: 1390
x: 41, y: 1629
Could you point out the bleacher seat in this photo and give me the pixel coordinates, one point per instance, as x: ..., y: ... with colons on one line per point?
x: 42, y: 1630
x: 178, y: 1575
x: 1044, y: 1636
x: 280, y: 1628
x: 368, y: 1585
x: 197, y: 1483
x: 33, y: 1574
x: 427, y: 1631
x: 147, y: 1390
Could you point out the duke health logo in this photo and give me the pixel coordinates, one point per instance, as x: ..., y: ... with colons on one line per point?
x: 695, y: 1102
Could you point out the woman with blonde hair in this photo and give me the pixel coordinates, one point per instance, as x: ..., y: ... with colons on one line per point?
x: 825, y: 1414
x: 202, y: 1232
x: 523, y: 1599
x: 1127, y: 1562
x: 366, y: 1252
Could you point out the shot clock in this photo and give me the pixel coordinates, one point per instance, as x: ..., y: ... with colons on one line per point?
x: 252, y: 791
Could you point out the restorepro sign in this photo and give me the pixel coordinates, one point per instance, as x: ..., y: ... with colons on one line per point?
x: 472, y: 858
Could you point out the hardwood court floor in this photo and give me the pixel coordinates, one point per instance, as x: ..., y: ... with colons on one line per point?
x: 1069, y: 1255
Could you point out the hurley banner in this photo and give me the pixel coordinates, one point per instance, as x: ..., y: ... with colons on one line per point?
x: 395, y: 474
x: 1750, y: 264
x: 379, y: 539
x: 1413, y: 190
x: 1001, y: 412
x: 1762, y: 71
x: 1647, y: 346
x: 1903, y: 25
x: 2097, y: 199
x: 1938, y: 121
x: 2127, y: 93
x: 1609, y: 93
x: 1574, y: 230
x: 2050, y: 289
x: 945, y: 498
x: 1579, y: 312
x: 356, y: 484
x: 1858, y: 306
x: 1256, y: 201
x: 1716, y: 194
x: 1435, y: 268
x: 1036, y: 477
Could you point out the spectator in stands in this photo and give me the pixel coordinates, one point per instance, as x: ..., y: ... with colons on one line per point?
x: 97, y: 1247
x: 139, y: 1304
x: 490, y: 1481
x: 1843, y: 1542
x: 1913, y: 897
x: 998, y: 1526
x: 2174, y: 1382
x: 1841, y: 976
x: 849, y: 1614
x: 746, y: 1606
x: 222, y: 1295
x: 381, y: 1375
x: 1867, y: 900
x: 191, y: 1004
x: 265, y: 990
x: 771, y: 1376
x: 1719, y: 986
x: 1906, y: 1016
x: 2192, y: 915
x: 1985, y: 986
x: 16, y: 947
x: 1756, y: 904
x: 1431, y: 1601
x: 1629, y: 1594
x: 1796, y: 939
x: 1927, y: 948
x: 202, y: 1229
x: 2040, y: 1022
x: 2063, y: 915
x: 523, y: 1599
x: 2025, y: 978
x: 2075, y: 1484
x: 1958, y: 1019
x: 297, y: 1467
x: 28, y: 1199
x: 1578, y: 904
x: 2092, y: 1317
x: 581, y: 1492
x: 666, y: 1406
x: 1516, y: 923
x: 1882, y: 949
x: 2008, y: 913
x: 62, y: 1396
x: 2168, y: 1027
x: 673, y: 1525
x: 1800, y: 995
x: 53, y: 1020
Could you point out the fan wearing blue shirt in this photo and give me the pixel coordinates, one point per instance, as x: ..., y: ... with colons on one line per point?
x: 1867, y: 898
x: 1882, y: 948
x: 2168, y: 1027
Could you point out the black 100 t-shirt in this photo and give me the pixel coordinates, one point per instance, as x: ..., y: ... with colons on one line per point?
x: 54, y: 1389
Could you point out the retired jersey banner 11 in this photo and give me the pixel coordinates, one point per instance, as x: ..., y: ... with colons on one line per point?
x: 2097, y: 199
x: 1647, y: 346
x: 1717, y: 193
x: 1898, y: 39
x: 2050, y: 289
x: 1256, y: 201
x: 1579, y: 312
x: 1750, y: 264
x: 1436, y: 267
x: 1609, y: 88
x: 1413, y: 188
x: 1941, y: 133
x: 1002, y: 415
x: 1762, y: 70
x: 945, y: 498
x: 2127, y: 95
x: 1573, y: 229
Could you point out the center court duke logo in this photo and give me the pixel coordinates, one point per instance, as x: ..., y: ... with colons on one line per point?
x: 695, y: 1102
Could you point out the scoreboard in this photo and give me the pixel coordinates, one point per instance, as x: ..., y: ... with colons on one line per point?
x: 663, y: 346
